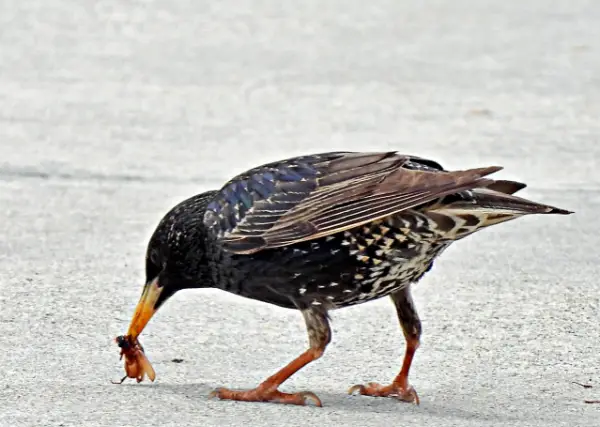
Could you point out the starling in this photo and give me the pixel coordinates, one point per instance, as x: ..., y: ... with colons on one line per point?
x: 317, y: 233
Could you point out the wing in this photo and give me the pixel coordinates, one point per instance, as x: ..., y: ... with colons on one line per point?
x: 307, y: 197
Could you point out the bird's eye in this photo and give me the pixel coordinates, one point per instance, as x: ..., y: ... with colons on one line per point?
x: 154, y: 257
x: 153, y: 264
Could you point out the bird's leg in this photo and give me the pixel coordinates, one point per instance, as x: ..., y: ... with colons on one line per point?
x: 319, y: 335
x: 411, y: 326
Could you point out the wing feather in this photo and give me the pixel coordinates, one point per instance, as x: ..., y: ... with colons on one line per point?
x: 308, y: 197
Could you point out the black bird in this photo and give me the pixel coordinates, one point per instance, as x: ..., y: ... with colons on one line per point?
x: 320, y: 232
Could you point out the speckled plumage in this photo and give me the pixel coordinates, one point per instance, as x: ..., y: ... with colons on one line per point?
x: 327, y: 231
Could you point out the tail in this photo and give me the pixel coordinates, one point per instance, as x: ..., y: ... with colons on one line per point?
x: 499, y: 197
x: 464, y: 213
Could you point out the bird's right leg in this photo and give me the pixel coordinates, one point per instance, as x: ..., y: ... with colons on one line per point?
x: 411, y: 326
x: 319, y: 335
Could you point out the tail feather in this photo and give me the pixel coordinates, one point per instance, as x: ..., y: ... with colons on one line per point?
x: 519, y: 205
x: 506, y: 187
x: 483, y: 208
x: 497, y: 202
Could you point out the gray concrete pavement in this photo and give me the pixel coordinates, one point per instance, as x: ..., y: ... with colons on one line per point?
x: 110, y: 112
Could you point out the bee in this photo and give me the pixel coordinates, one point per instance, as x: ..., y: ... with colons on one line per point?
x: 137, y: 364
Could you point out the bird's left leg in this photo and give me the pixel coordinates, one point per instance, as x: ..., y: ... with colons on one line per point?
x: 411, y: 326
x: 319, y: 335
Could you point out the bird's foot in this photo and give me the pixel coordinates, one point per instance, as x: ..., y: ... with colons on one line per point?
x: 260, y: 394
x: 404, y: 394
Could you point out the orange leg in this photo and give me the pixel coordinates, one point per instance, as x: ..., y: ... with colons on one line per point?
x: 319, y: 335
x: 411, y: 326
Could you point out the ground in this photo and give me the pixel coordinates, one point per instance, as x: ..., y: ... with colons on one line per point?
x: 113, y: 111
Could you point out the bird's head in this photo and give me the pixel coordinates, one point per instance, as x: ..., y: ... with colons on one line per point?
x: 175, y: 259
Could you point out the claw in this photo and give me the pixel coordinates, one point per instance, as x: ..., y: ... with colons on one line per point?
x: 214, y: 393
x: 310, y: 396
x: 358, y: 387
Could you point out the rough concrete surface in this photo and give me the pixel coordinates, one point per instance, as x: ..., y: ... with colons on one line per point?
x: 112, y: 111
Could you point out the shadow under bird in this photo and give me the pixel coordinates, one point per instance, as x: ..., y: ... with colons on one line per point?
x: 317, y: 233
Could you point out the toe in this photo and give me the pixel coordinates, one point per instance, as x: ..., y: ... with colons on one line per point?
x: 302, y: 399
x: 375, y: 386
x: 407, y: 394
x: 217, y: 392
x: 356, y: 388
x: 370, y: 389
x: 261, y: 395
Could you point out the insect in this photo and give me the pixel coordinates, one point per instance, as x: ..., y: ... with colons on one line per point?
x: 136, y: 363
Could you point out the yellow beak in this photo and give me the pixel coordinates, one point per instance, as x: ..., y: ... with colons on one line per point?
x: 145, y: 308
